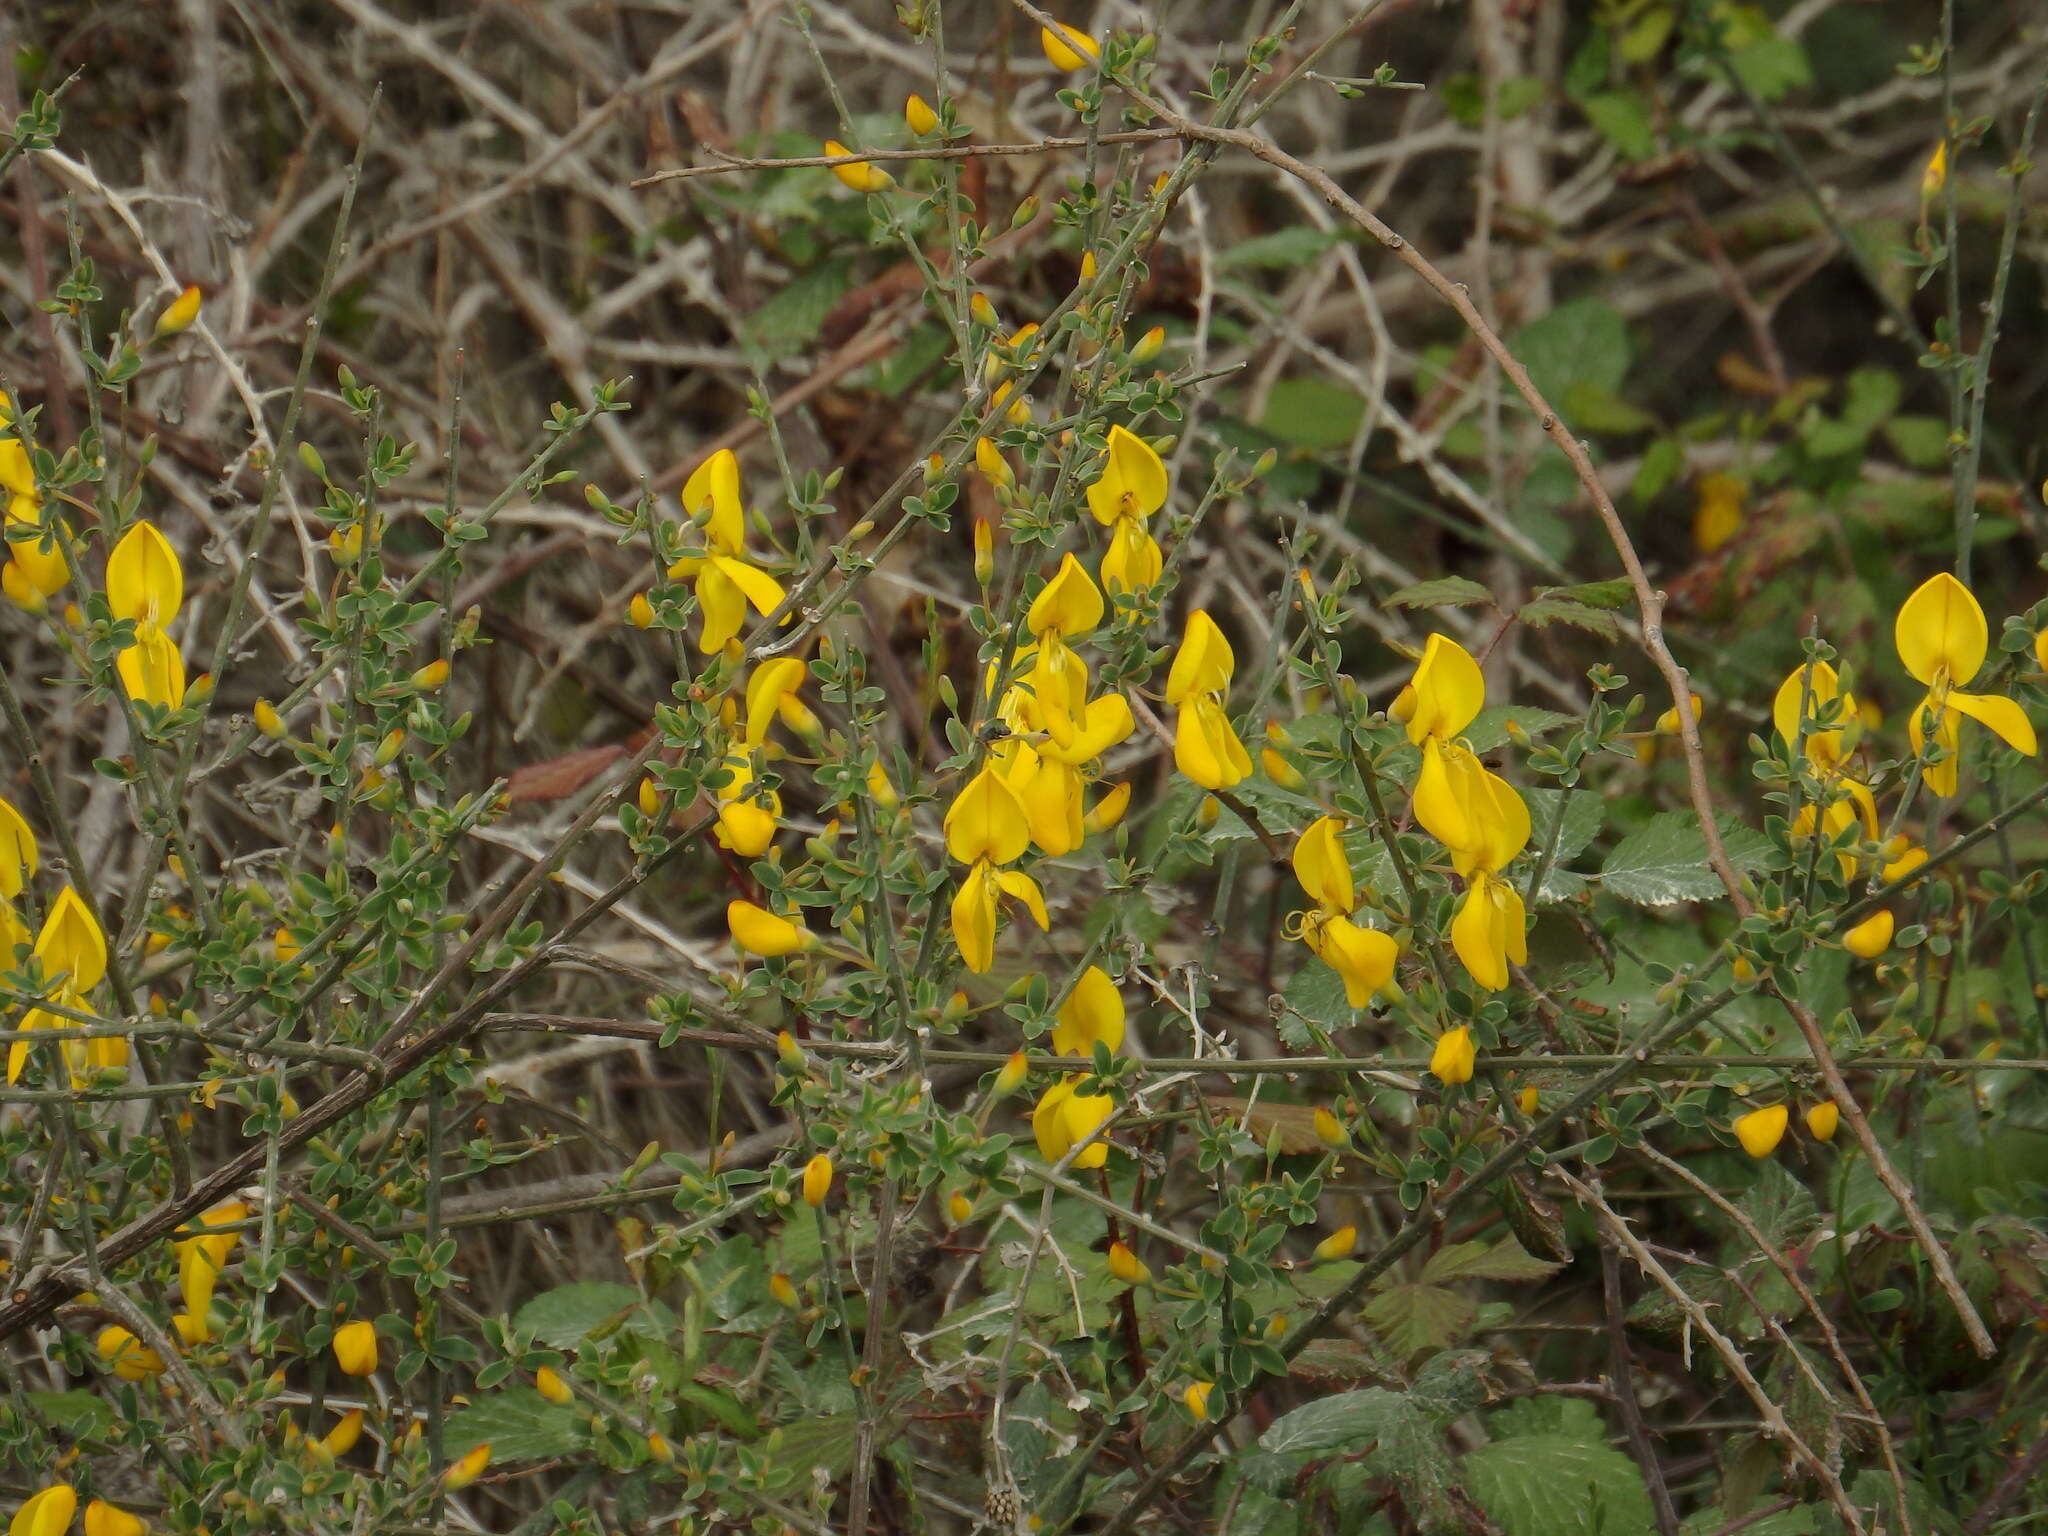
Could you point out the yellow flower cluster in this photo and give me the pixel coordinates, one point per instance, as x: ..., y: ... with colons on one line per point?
x: 69, y: 948
x: 34, y: 571
x: 1063, y: 1118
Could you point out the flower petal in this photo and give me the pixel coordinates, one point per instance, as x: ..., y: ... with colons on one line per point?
x: 1941, y: 628
x: 2007, y: 720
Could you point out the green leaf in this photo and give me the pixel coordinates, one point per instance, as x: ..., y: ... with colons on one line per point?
x: 1922, y: 441
x: 1583, y: 814
x: 1595, y: 410
x: 1504, y: 1260
x: 794, y: 314
x: 1662, y: 461
x: 1411, y: 1317
x: 1564, y: 1482
x: 1615, y: 592
x: 1442, y: 592
x: 1315, y: 995
x: 73, y: 1413
x: 564, y: 1317
x: 1665, y: 861
x: 1313, y: 413
x: 1295, y: 246
x: 798, y: 1450
x: 518, y: 1425
x: 1782, y: 1208
x: 1584, y: 341
x: 1542, y: 612
x: 1622, y: 120
x: 1343, y: 1422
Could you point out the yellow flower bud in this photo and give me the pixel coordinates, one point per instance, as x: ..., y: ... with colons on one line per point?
x: 1209, y: 812
x: 1196, y: 1396
x: 1453, y: 1059
x: 990, y: 461
x: 1743, y: 969
x: 783, y: 1292
x: 1761, y: 1130
x: 1011, y: 1077
x: 1127, y: 1266
x: 47, y: 1513
x: 267, y: 719
x: 102, y: 1518
x: 858, y: 174
x: 1148, y: 346
x: 129, y: 1358
x: 648, y: 796
x: 985, y: 553
x: 640, y: 612
x: 355, y: 1348
x: 1338, y: 1245
x: 462, y: 1473
x: 179, y: 314
x: 389, y: 747
x: 1280, y: 771
x: 1823, y: 1120
x: 551, y: 1386
x: 1871, y: 937
x: 817, y: 1179
x: 341, y: 1439
x: 757, y: 931
x: 981, y: 311
x: 431, y: 676
x: 1329, y: 1130
x: 659, y: 1448
x: 1109, y: 810
x: 959, y: 1209
x: 918, y: 114
x: 1667, y: 723
x: 1528, y: 1100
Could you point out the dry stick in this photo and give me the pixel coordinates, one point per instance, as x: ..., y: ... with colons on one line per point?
x: 1829, y: 1338
x: 397, y: 1057
x: 1650, y: 605
x: 727, y: 165
x: 1774, y: 1425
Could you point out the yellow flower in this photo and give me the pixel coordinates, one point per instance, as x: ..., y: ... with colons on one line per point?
x: 152, y: 670
x: 1206, y: 749
x: 986, y: 821
x: 858, y: 174
x: 747, y: 817
x: 203, y: 1253
x: 959, y: 1209
x: 104, y: 1519
x: 1127, y: 1266
x: 1068, y: 48
x: 1093, y: 1011
x: 771, y: 684
x: 17, y: 855
x: 1761, y: 1130
x: 1814, y: 685
x: 1718, y: 517
x: 179, y: 314
x: 757, y: 931
x: 1197, y: 1397
x: 128, y: 1356
x: 341, y: 1439
x: 1454, y: 1056
x: 780, y: 1289
x: 145, y: 581
x: 1823, y: 1120
x: 1942, y: 639
x: 1668, y: 723
x: 1109, y: 810
x: 549, y: 1384
x: 1871, y: 937
x: 1203, y: 664
x: 974, y: 910
x: 1490, y: 929
x: 1063, y: 1118
x: 817, y: 1179
x: 1329, y: 1129
x: 1133, y: 560
x: 1934, y: 175
x: 726, y: 587
x: 355, y: 1348
x: 47, y: 1513
x: 71, y: 944
x: 1322, y: 868
x: 1069, y: 605
x: 918, y: 114
x: 461, y: 1474
x: 1133, y: 482
x: 1338, y: 1245
x: 1363, y: 957
x: 1446, y: 693
x: 1528, y: 1100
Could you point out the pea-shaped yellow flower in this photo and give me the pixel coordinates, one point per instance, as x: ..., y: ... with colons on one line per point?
x: 129, y: 1358
x: 1064, y: 1118
x: 17, y: 853
x: 1205, y: 748
x: 1132, y: 486
x: 1093, y: 1011
x: 757, y: 931
x: 468, y: 1469
x: 47, y: 1513
x: 1127, y: 1266
x: 1942, y: 640
x: 1454, y: 1056
x: 1321, y: 866
x: 1761, y: 1130
x: 1364, y: 958
x: 817, y: 1179
x: 355, y: 1348
x: 858, y: 174
x: 104, y: 1519
x: 145, y: 581
x: 1068, y: 48
x: 918, y: 114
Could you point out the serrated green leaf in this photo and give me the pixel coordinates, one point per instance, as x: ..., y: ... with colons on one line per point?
x: 1504, y: 1260
x: 792, y: 316
x: 1622, y: 120
x: 1410, y: 1317
x: 518, y: 1425
x: 1563, y: 1482
x: 1315, y: 995
x: 1615, y: 592
x: 1441, y: 592
x: 564, y: 1317
x: 1543, y: 612
x: 1584, y: 341
x: 1313, y: 413
x: 73, y: 1413
x: 1584, y: 813
x: 1345, y: 1421
x: 1593, y: 409
x: 1665, y: 861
